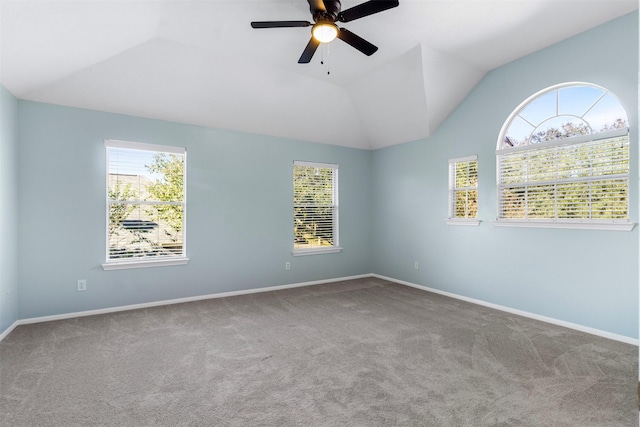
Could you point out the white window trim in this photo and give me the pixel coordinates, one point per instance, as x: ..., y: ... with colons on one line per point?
x: 316, y: 164
x: 114, y: 143
x: 567, y: 141
x: 463, y: 221
x: 145, y: 263
x: 611, y: 226
x: 122, y: 265
x: 317, y: 251
x: 336, y: 235
x: 453, y: 220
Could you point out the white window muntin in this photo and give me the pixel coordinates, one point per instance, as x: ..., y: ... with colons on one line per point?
x: 601, y: 97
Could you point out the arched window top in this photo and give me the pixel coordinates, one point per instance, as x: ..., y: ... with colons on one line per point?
x: 562, y: 111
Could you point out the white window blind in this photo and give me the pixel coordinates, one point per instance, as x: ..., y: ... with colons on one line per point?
x: 463, y: 188
x: 578, y: 178
x: 146, y: 202
x: 315, y: 207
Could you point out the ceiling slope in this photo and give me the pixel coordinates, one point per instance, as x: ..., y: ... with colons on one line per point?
x: 166, y: 80
x: 391, y: 101
x: 200, y: 62
x: 408, y: 98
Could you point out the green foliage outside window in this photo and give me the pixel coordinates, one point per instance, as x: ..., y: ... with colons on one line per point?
x: 314, y: 207
x: 118, y: 212
x: 465, y: 189
x: 170, y: 187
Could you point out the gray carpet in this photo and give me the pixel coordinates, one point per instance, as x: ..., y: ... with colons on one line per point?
x: 358, y: 353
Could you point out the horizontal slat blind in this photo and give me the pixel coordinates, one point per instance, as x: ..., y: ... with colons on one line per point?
x: 145, y: 201
x: 587, y: 181
x: 315, y: 205
x: 463, y: 187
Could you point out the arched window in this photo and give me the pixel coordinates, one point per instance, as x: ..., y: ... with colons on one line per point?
x: 563, y: 160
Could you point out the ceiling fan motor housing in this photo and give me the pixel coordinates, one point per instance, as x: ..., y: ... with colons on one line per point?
x: 330, y: 13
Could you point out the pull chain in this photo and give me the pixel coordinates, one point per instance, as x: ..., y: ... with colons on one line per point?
x: 328, y: 54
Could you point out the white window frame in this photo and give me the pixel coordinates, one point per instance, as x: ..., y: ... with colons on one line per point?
x: 453, y: 190
x: 335, y: 207
x: 593, y: 138
x: 143, y: 262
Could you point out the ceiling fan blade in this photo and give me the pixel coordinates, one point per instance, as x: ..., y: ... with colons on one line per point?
x: 366, y: 9
x: 356, y: 41
x: 279, y: 24
x: 306, y: 56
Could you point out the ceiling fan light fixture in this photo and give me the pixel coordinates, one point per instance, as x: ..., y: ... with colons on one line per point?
x: 325, y: 32
x: 325, y: 14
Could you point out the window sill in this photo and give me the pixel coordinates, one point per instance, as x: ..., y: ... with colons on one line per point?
x: 463, y: 221
x: 613, y: 226
x: 121, y: 265
x: 304, y: 252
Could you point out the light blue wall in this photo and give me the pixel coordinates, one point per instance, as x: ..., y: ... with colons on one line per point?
x: 393, y: 206
x: 239, y: 220
x: 8, y: 209
x: 581, y: 276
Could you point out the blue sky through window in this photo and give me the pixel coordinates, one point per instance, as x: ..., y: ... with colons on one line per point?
x: 579, y: 105
x: 124, y: 161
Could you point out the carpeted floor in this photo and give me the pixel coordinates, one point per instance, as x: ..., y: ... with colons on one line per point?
x: 358, y: 353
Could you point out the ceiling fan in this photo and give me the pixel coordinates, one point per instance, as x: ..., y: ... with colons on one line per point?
x: 325, y: 14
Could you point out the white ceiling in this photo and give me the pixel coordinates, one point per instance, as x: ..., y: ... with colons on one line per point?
x: 200, y: 62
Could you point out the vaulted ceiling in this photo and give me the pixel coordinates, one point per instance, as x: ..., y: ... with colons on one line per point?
x: 200, y: 62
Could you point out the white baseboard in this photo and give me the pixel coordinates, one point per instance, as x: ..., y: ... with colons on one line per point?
x: 7, y: 331
x: 64, y: 316
x: 546, y: 319
x: 550, y: 320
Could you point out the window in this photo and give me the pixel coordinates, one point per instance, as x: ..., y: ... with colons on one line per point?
x: 146, y: 205
x: 315, y: 208
x: 563, y: 161
x: 463, y: 191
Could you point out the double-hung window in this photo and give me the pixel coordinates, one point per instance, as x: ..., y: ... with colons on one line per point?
x: 563, y: 161
x: 315, y: 208
x: 146, y: 205
x: 463, y: 191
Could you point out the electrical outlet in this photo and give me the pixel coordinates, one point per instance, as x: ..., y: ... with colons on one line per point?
x: 287, y: 266
x: 416, y: 265
x: 81, y: 285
